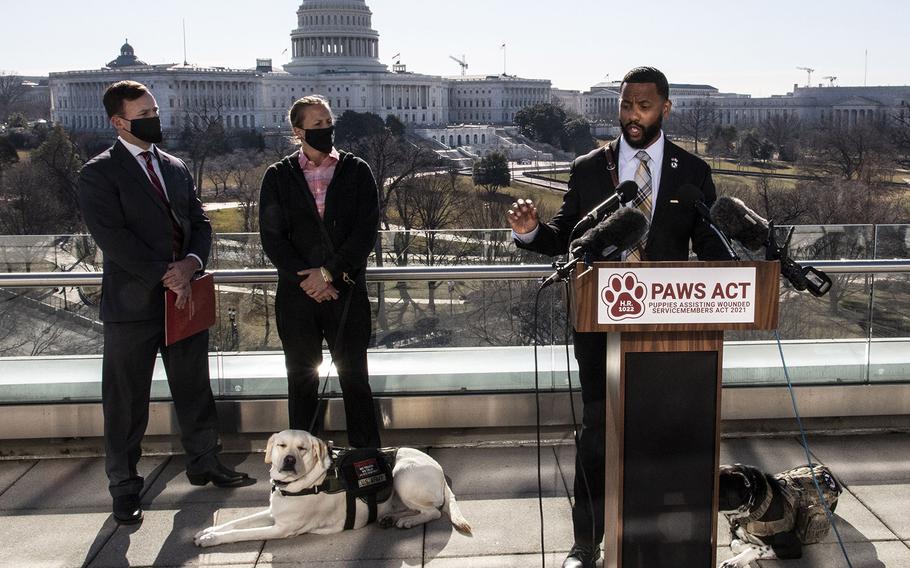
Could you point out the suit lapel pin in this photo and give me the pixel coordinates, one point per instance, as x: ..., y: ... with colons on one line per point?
x: 674, y: 163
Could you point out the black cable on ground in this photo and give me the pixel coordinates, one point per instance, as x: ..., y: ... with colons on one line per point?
x: 575, y: 435
x: 805, y: 444
x: 543, y: 554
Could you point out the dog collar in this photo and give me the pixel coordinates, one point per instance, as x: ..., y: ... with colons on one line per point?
x: 331, y: 484
x: 763, y: 508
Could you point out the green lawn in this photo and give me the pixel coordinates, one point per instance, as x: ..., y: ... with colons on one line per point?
x: 560, y: 176
x: 226, y: 220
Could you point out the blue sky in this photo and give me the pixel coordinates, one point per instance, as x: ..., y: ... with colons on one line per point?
x: 746, y: 47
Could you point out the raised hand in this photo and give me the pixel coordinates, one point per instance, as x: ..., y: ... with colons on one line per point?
x: 523, y: 216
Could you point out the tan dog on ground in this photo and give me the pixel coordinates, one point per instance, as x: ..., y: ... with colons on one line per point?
x: 301, y: 461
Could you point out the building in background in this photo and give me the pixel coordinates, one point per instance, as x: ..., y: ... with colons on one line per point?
x: 334, y: 53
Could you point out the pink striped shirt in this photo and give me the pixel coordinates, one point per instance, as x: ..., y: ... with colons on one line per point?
x: 319, y: 177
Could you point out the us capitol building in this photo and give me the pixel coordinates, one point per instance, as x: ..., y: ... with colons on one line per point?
x: 335, y: 53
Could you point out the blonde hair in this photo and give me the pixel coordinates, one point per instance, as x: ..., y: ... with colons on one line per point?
x: 295, y: 115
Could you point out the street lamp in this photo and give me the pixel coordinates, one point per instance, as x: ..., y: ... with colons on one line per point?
x: 235, y: 335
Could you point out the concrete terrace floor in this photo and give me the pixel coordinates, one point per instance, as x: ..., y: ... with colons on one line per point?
x: 55, y: 512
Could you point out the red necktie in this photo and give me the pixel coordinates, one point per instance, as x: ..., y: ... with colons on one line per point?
x: 176, y: 229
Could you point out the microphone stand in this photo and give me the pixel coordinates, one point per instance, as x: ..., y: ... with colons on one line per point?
x: 706, y: 216
x: 801, y: 277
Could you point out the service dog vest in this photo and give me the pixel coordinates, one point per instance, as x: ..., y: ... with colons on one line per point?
x: 361, y: 473
x: 803, y: 510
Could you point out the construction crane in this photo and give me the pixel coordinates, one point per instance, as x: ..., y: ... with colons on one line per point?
x: 831, y: 79
x: 463, y: 62
x: 809, y: 72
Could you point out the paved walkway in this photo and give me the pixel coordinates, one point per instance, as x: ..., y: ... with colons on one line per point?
x: 55, y: 512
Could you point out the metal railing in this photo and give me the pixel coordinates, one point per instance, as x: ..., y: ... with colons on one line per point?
x: 418, y: 273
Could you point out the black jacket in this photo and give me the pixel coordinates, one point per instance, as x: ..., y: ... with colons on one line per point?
x: 132, y: 227
x: 295, y: 237
x: 675, y: 223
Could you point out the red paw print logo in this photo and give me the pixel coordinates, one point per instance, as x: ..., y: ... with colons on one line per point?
x: 624, y: 296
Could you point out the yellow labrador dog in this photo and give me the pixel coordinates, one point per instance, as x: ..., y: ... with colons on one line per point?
x: 301, y: 461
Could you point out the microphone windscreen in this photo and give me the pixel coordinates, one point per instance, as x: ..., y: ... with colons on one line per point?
x: 627, y: 191
x: 623, y: 229
x: 739, y: 222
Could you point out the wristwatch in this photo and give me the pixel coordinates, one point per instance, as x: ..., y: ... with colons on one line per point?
x: 326, y: 275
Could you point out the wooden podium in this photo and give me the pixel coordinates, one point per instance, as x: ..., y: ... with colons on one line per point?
x: 665, y: 325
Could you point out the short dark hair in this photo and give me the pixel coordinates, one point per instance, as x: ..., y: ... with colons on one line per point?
x: 119, y: 92
x: 648, y: 75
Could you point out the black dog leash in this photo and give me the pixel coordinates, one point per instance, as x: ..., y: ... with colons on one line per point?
x: 338, y: 335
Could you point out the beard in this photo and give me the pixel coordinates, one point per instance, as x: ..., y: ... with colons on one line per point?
x: 648, y: 134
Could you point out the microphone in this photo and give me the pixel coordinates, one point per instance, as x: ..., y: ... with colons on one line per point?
x: 740, y: 222
x: 754, y: 232
x: 689, y: 191
x: 620, y: 231
x: 624, y: 192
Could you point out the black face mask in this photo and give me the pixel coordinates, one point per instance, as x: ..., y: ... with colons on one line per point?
x: 147, y: 129
x: 320, y: 139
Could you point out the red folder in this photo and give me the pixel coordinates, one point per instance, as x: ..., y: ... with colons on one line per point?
x: 197, y: 315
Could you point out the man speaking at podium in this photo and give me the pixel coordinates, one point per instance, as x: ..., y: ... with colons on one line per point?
x: 661, y: 169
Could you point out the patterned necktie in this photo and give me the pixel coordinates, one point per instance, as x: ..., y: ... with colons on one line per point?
x: 642, y: 201
x: 176, y: 229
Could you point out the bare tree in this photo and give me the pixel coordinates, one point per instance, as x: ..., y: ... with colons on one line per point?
x: 850, y: 152
x: 12, y: 90
x: 783, y: 132
x: 436, y: 204
x: 696, y: 119
x: 245, y: 177
x: 62, y: 159
x: 218, y: 174
x: 31, y: 206
x: 900, y: 134
x: 203, y: 135
x: 393, y: 160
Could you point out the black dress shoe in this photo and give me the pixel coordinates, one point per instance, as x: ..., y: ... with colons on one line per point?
x: 581, y: 557
x: 220, y: 476
x: 127, y: 509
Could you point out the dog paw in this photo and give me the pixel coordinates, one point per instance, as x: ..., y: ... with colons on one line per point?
x: 205, y: 539
x: 202, y: 532
x: 387, y: 522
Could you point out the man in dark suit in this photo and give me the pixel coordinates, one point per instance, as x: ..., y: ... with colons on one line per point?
x: 140, y: 205
x: 318, y: 218
x: 660, y: 168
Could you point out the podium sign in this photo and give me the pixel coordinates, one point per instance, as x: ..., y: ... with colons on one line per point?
x: 676, y: 295
x: 681, y: 296
x: 664, y: 324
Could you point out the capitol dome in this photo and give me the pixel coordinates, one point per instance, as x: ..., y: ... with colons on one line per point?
x: 334, y: 36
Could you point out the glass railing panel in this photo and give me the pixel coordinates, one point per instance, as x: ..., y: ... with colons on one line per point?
x: 448, y: 335
x: 47, y: 253
x: 889, y: 348
x: 892, y: 241
x: 825, y: 339
x: 428, y: 336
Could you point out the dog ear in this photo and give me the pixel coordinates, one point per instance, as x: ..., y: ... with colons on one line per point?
x: 322, y: 453
x: 268, y: 449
